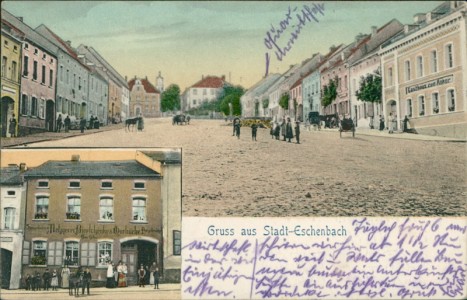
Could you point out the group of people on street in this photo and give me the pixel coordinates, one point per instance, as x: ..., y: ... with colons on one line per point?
x: 36, y: 282
x: 285, y: 129
x: 117, y: 275
x: 66, y: 123
x: 391, y: 123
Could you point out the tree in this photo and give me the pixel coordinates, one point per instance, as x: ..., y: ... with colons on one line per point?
x: 230, y: 97
x: 170, y: 98
x: 329, y: 92
x: 370, y: 88
x: 236, y: 105
x: 225, y: 105
x: 284, y: 101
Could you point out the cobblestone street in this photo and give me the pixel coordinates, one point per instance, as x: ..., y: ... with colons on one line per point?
x: 372, y: 174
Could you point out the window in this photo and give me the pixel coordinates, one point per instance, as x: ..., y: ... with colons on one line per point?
x: 9, y: 217
x: 44, y: 56
x: 41, y: 109
x: 106, y: 184
x: 36, y: 51
x: 419, y: 66
x: 73, y: 211
x: 13, y: 71
x: 43, y: 75
x: 24, y: 105
x: 194, y: 102
x: 177, y: 242
x: 407, y: 70
x: 435, y: 102
x: 451, y: 100
x: 34, y: 71
x: 409, y: 107
x: 71, y: 253
x: 449, y: 56
x: 79, y: 83
x: 26, y: 66
x: 51, y: 78
x: 434, y: 61
x: 106, y: 208
x: 139, y: 209
x: 105, y: 253
x: 139, y: 185
x: 34, y: 107
x: 421, y: 105
x: 195, y: 92
x: 390, y: 78
x: 11, y: 193
x: 42, y: 207
x: 43, y: 184
x: 67, y: 76
x: 26, y: 46
x: 4, y: 62
x: 39, y: 249
x: 74, y: 184
x: 61, y: 73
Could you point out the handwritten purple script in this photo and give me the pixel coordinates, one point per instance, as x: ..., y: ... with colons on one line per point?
x: 312, y: 258
x: 280, y: 38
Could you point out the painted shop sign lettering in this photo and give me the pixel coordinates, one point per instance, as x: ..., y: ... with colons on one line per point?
x: 8, y: 239
x: 93, y: 231
x: 429, y: 84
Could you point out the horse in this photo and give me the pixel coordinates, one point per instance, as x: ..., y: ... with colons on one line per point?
x: 131, y: 122
x: 74, y: 286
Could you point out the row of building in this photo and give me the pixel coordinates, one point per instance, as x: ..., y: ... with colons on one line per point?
x: 423, y: 67
x: 44, y: 77
x: 90, y: 207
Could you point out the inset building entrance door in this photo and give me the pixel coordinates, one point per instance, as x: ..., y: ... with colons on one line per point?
x: 6, y: 268
x: 136, y: 253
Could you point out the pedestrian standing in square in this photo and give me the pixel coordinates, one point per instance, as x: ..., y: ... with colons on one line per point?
x: 254, y: 130
x: 141, y: 276
x: 297, y: 131
x: 87, y: 277
x: 46, y: 277
x: 156, y: 278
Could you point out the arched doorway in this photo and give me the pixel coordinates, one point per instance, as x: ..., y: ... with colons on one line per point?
x: 49, y: 115
x: 6, y: 268
x: 137, y: 252
x: 7, y: 110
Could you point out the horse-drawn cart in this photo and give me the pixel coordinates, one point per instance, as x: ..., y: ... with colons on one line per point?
x: 347, y: 125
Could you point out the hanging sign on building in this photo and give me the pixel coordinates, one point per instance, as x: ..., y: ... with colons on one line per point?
x: 429, y: 84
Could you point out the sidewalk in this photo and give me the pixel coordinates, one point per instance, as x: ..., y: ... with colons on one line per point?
x: 395, y: 135
x: 49, y: 136
x: 166, y: 291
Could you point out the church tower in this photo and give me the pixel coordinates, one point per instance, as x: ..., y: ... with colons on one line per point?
x: 160, y: 83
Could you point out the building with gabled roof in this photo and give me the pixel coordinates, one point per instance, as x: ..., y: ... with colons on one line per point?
x: 252, y: 106
x: 145, y: 99
x: 207, y: 89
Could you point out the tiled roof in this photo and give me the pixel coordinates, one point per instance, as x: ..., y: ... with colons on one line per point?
x: 148, y: 87
x: 10, y: 176
x: 297, y: 83
x: 209, y: 82
x: 91, y: 169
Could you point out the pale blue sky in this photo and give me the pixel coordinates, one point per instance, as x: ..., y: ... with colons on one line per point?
x: 185, y: 40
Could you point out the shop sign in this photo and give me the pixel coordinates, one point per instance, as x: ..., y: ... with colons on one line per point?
x: 429, y: 84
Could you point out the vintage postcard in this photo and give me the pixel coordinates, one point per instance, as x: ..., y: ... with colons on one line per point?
x: 234, y: 149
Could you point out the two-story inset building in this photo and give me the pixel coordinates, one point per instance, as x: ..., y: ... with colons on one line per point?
x: 97, y: 207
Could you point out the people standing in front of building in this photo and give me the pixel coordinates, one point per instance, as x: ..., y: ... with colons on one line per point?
x: 65, y: 274
x: 289, y: 131
x: 28, y: 282
x: 381, y: 123
x: 82, y: 124
x: 237, y: 128
x: 297, y: 131
x: 406, y: 124
x: 390, y: 123
x: 283, y: 129
x: 152, y: 270
x: 87, y: 277
x: 140, y: 122
x: 59, y: 123
x: 254, y: 130
x: 121, y: 276
x: 67, y: 123
x: 156, y: 278
x: 46, y: 278
x: 12, y: 128
x: 141, y: 276
x: 146, y: 277
x: 277, y: 130
x: 36, y: 282
x: 125, y: 272
x: 110, y: 276
x: 54, y: 280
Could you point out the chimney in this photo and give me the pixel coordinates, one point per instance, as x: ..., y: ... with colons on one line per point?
x: 22, y: 167
x: 418, y: 18
x: 374, y: 29
x: 20, y: 18
x: 75, y: 158
x: 68, y: 43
